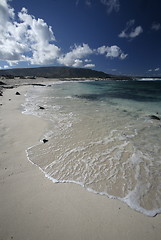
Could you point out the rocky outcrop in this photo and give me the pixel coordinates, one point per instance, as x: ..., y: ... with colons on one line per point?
x: 154, y: 117
x: 42, y: 108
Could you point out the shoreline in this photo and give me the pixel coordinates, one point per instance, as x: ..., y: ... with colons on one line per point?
x: 33, y: 207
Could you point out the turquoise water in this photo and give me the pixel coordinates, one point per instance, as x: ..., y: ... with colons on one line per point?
x: 102, y: 137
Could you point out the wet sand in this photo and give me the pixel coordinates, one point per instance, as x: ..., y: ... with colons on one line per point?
x: 33, y: 207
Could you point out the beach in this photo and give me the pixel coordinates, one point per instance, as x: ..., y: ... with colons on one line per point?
x: 33, y: 207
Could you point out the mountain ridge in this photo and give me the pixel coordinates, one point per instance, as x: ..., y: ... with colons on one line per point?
x: 59, y: 72
x: 54, y: 72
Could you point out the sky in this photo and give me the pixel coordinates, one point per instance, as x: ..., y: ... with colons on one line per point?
x: 113, y: 36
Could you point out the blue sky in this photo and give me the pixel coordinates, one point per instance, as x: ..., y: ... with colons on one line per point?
x: 114, y: 36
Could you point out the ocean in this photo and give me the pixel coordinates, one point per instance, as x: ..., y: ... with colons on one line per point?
x: 103, y: 135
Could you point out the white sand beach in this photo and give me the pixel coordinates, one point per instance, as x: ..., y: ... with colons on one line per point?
x: 33, y: 207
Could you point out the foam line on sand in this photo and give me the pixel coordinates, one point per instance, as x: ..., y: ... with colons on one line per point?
x: 33, y: 207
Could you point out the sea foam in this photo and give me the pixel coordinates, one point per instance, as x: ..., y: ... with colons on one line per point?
x: 104, y: 144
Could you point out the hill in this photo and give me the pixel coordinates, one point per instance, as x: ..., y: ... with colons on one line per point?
x: 54, y: 72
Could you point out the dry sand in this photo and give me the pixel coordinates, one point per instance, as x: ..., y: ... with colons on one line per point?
x: 32, y: 207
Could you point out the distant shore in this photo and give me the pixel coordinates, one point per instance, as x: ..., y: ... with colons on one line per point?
x: 9, y: 83
x: 12, y: 82
x: 33, y: 207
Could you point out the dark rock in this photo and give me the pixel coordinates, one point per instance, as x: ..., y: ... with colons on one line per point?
x: 41, y: 108
x: 154, y: 117
x: 17, y: 93
x: 38, y: 84
x: 8, y: 87
x: 2, y: 83
x: 45, y: 140
x: 6, y: 76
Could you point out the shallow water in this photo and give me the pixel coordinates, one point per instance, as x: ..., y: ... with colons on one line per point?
x: 101, y: 136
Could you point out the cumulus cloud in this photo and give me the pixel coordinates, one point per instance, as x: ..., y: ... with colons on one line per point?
x: 73, y: 57
x: 156, y: 69
x: 77, y: 63
x: 89, y: 65
x: 111, y: 5
x: 77, y: 56
x: 6, y: 12
x: 112, y: 52
x: 155, y: 26
x: 28, y: 39
x: 32, y: 40
x: 6, y: 66
x: 129, y: 31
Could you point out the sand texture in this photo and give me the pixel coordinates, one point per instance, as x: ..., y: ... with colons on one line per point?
x: 33, y: 207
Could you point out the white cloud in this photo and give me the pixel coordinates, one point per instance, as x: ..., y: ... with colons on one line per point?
x: 6, y: 12
x: 5, y: 66
x: 28, y: 39
x: 111, y: 5
x: 78, y: 63
x: 78, y: 52
x: 102, y: 50
x: 112, y: 52
x: 155, y: 26
x: 89, y: 65
x: 136, y: 32
x: 12, y: 63
x: 76, y: 56
x: 32, y: 40
x: 129, y: 31
x: 87, y: 60
x: 154, y: 70
x: 123, y: 56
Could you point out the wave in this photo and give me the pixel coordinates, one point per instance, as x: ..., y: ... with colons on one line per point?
x: 99, y: 146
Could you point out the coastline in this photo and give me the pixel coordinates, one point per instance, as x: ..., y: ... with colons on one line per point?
x: 33, y: 207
